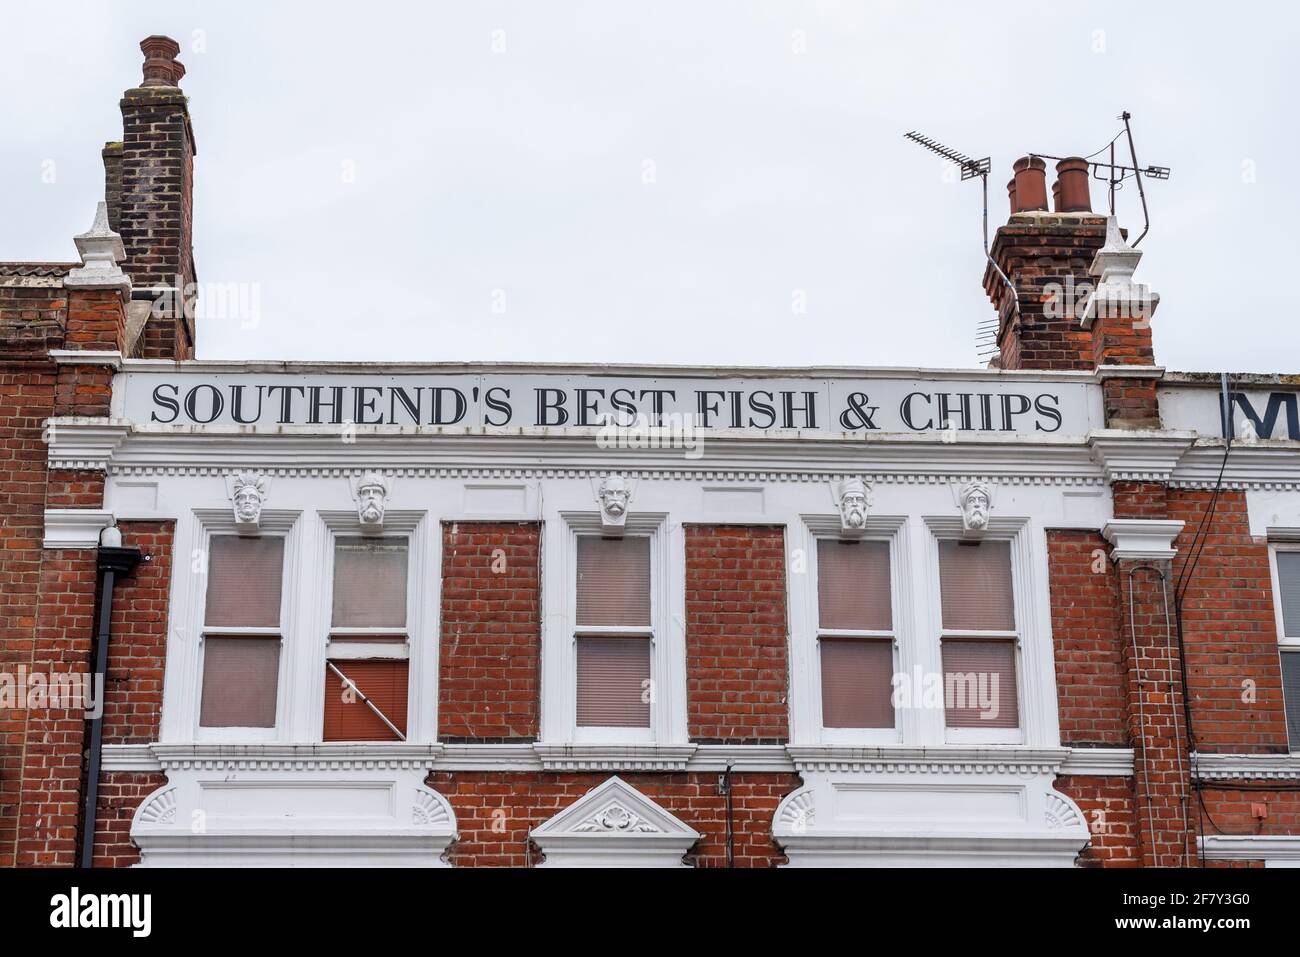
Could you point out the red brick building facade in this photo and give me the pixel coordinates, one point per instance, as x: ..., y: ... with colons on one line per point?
x: 486, y: 616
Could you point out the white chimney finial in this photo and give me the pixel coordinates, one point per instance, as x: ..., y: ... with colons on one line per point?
x: 101, y: 250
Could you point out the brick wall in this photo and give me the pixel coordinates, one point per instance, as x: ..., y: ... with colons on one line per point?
x: 155, y: 208
x: 495, y: 810
x: 1040, y: 253
x: 50, y: 806
x: 1085, y: 629
x: 26, y: 397
x: 137, y: 654
x: 1140, y: 499
x: 490, y: 653
x: 1231, y: 810
x: 120, y: 793
x: 1110, y: 812
x: 1233, y: 671
x: 737, y: 679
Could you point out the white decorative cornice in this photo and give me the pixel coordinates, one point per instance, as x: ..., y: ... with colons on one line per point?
x: 937, y: 760
x: 1246, y: 767
x: 290, y: 757
x: 79, y: 443
x: 1138, y: 455
x: 526, y: 756
x: 280, y: 367
x: 533, y: 454
x: 1105, y: 372
x: 612, y: 757
x: 1250, y: 847
x: 1270, y: 464
x: 1099, y: 762
x: 101, y: 250
x: 1142, y: 539
x: 765, y: 758
x: 129, y: 757
x: 87, y: 357
x: 74, y: 527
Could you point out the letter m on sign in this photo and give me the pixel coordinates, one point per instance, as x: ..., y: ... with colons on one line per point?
x: 1264, y: 427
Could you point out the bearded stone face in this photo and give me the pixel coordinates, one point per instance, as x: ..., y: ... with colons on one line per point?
x: 370, y: 504
x: 853, y: 508
x: 977, y: 508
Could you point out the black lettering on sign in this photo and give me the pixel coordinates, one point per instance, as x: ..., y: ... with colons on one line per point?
x: 411, y: 405
x: 762, y: 408
x: 548, y: 401
x: 1013, y: 404
x: 1050, y: 410
x: 905, y: 411
x: 499, y: 404
x: 444, y: 396
x: 286, y: 400
x: 1276, y: 402
x: 588, y: 413
x: 168, y: 402
x: 237, y: 405
x: 215, y: 404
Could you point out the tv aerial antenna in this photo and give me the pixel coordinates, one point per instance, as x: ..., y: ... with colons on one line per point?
x: 986, y: 333
x: 1116, y: 174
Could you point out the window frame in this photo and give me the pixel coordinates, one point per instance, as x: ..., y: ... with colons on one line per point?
x: 1286, y: 644
x: 411, y: 527
x: 806, y: 710
x: 212, y: 523
x: 560, y: 633
x: 1022, y: 604
x: 855, y: 736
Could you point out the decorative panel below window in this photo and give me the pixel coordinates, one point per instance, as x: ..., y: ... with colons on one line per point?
x: 349, y: 718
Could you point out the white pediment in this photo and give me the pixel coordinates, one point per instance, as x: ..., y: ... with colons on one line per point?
x: 614, y: 825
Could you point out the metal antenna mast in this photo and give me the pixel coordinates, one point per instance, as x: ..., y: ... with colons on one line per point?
x: 1115, y: 174
x: 986, y: 333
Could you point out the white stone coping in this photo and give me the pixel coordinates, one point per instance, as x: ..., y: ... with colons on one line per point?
x: 74, y: 527
x: 526, y: 756
x: 1143, y: 539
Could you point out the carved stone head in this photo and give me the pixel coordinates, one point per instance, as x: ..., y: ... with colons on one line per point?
x: 247, y: 493
x: 614, y: 495
x: 372, y: 495
x: 853, y: 497
x: 976, y: 503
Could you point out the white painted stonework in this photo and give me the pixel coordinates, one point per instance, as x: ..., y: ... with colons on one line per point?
x: 893, y: 809
x: 614, y: 825
x: 304, y: 806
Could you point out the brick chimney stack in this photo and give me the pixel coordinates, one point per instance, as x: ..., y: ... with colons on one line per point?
x: 149, y: 191
x: 1046, y: 254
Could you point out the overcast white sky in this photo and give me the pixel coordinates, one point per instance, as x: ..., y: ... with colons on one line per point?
x: 499, y: 208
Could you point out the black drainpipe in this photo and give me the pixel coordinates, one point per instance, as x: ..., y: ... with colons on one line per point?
x: 111, y: 562
x: 724, y: 783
